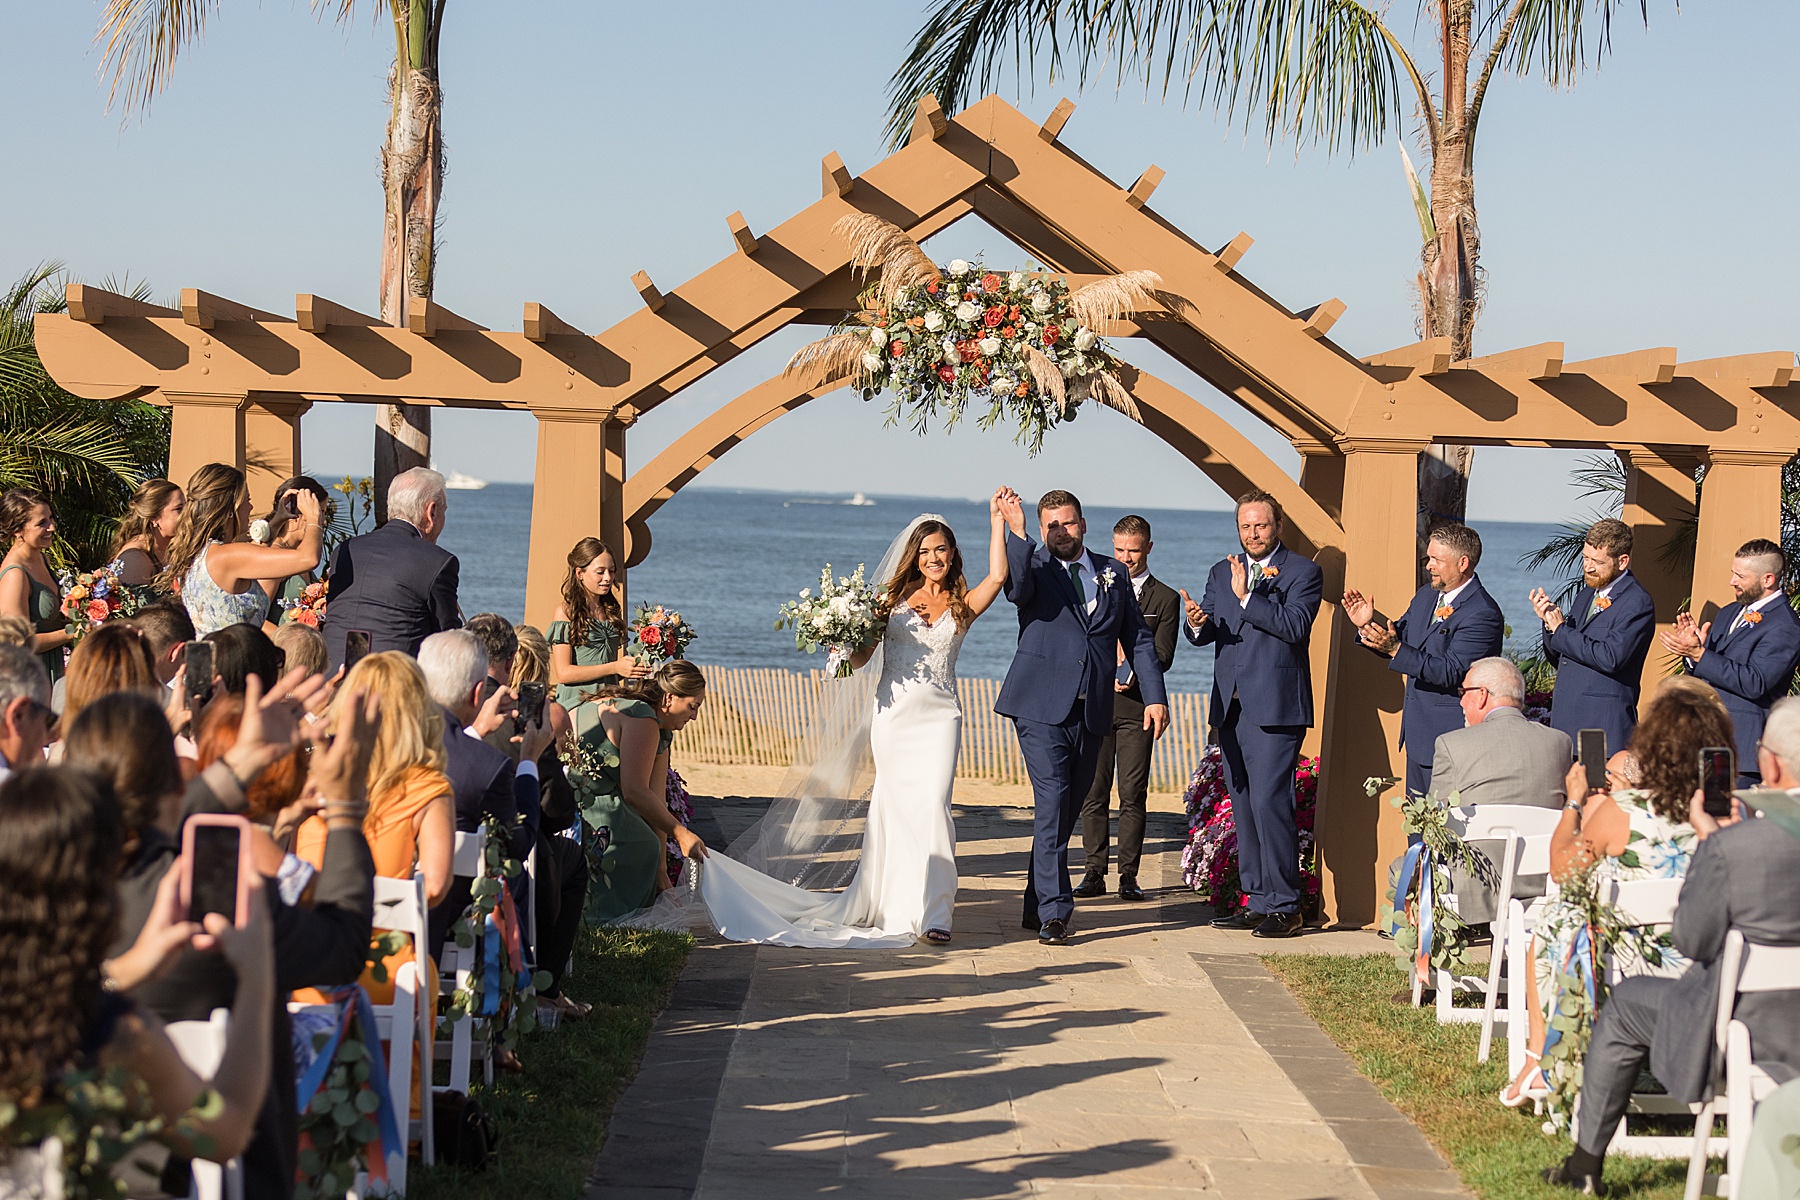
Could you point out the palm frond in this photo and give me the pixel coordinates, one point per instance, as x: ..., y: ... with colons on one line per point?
x: 1113, y: 297
x: 1103, y: 388
x: 875, y: 243
x: 833, y: 357
x: 960, y: 50
x: 1602, y: 477
x: 1421, y: 202
x: 1552, y: 36
x: 142, y: 39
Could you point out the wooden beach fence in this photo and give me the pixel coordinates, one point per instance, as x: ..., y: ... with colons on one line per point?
x: 757, y: 716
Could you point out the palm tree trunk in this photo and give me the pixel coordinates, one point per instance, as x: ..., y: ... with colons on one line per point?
x: 1449, y: 279
x: 412, y: 168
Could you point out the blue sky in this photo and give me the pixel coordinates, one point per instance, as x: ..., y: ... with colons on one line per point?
x: 1650, y: 205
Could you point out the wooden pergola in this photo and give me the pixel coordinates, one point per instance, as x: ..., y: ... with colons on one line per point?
x: 237, y: 381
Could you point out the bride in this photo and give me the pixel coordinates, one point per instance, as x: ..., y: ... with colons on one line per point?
x: 900, y: 710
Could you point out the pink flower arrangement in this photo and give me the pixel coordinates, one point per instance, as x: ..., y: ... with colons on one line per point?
x: 308, y: 608
x: 95, y: 597
x: 681, y: 807
x: 1209, y: 863
x: 658, y: 634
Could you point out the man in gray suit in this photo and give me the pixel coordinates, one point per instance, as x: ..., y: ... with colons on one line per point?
x: 1744, y: 876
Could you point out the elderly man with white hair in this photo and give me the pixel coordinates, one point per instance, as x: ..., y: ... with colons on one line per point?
x: 395, y: 584
x: 25, y: 715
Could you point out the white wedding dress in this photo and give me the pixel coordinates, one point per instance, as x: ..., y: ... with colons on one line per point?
x: 905, y: 880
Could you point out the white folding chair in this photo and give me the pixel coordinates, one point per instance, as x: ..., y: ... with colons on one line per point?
x: 469, y: 1034
x: 1525, y: 852
x: 528, y: 918
x: 1511, y: 825
x: 1738, y: 1084
x: 201, y: 1045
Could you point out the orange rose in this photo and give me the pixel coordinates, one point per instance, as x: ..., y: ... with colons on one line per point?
x: 307, y: 616
x: 1753, y: 617
x: 97, y: 610
x: 990, y: 283
x: 1442, y: 612
x: 1023, y: 390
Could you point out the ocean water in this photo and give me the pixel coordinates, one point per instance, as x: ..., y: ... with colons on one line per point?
x: 729, y: 559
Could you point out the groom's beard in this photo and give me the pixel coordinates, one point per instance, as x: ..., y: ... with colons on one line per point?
x: 1066, y: 553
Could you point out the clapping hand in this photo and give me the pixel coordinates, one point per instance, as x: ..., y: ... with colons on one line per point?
x: 1240, y: 576
x: 1687, y: 639
x: 1379, y: 636
x: 1546, y: 609
x: 1359, y: 608
x: 1196, y: 616
x: 271, y: 723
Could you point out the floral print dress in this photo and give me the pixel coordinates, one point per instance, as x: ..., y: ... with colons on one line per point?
x: 1656, y: 848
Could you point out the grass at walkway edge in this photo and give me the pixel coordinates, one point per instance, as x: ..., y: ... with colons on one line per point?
x: 552, y: 1118
x: 1428, y: 1071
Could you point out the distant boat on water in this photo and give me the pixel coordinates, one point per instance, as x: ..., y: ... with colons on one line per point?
x: 456, y: 481
x: 860, y: 501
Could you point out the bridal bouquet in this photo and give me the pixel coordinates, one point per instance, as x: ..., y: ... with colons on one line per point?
x: 840, y: 618
x: 308, y: 608
x: 93, y: 598
x: 659, y: 634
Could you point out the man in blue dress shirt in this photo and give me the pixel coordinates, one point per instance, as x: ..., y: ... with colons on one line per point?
x: 1598, y: 647
x: 1748, y: 652
x: 1451, y: 623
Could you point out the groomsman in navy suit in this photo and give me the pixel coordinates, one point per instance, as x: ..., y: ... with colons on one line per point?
x: 1451, y: 622
x: 1257, y: 612
x: 1749, y: 651
x: 1598, y: 648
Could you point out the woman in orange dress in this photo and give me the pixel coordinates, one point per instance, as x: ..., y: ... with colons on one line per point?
x: 411, y: 823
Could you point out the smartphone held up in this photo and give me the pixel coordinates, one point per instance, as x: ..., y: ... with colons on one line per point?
x: 215, y: 867
x: 1718, y: 776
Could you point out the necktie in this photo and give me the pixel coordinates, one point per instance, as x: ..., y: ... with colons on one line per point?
x: 1437, y: 608
x: 1593, y: 606
x: 1075, y: 578
x: 1256, y: 575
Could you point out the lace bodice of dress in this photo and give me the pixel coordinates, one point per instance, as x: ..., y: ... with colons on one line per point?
x: 915, y: 650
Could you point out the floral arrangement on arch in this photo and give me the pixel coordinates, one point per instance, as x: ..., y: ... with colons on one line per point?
x: 1209, y: 862
x: 937, y: 339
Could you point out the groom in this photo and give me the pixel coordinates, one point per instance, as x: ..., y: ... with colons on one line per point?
x: 1076, y: 610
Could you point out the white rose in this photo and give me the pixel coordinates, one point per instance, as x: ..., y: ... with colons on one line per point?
x: 877, y: 335
x: 1002, y: 385
x: 1016, y: 280
x: 805, y: 592
x: 968, y: 310
x: 1067, y: 366
x: 259, y: 532
x: 990, y: 346
x: 1084, y: 338
x: 934, y: 320
x: 951, y: 354
x: 1040, y: 303
x: 958, y: 267
x: 872, y: 362
x: 821, y: 621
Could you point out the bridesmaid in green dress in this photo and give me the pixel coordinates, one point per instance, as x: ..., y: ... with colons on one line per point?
x: 620, y: 780
x: 588, y: 628
x: 28, y: 588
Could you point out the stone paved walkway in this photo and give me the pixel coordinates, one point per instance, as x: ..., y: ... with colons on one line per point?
x: 1152, y: 1057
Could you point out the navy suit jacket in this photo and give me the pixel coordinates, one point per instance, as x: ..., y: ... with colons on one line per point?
x: 1064, y: 653
x: 486, y: 784
x: 394, y: 584
x: 1599, y: 662
x: 1260, y: 647
x: 1435, y: 657
x: 1750, y: 669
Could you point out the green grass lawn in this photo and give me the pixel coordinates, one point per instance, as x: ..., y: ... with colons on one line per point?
x: 1428, y: 1071
x: 552, y: 1118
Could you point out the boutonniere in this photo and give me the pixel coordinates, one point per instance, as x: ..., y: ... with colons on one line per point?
x: 1442, y: 612
x: 1271, y: 572
x: 1107, y: 578
x: 1752, y: 617
x: 1602, y: 603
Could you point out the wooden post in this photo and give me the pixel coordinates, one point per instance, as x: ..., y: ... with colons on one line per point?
x: 1740, y: 499
x: 204, y: 427
x: 1659, y: 502
x: 577, y: 492
x: 1359, y: 834
x: 271, y: 443
x: 1322, y: 478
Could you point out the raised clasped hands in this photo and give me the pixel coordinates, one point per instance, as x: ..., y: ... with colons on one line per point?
x: 1546, y: 609
x: 1240, y: 576
x: 1011, y: 508
x: 1196, y: 616
x: 1688, y: 638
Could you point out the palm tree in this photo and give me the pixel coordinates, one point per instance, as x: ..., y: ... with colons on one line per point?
x: 143, y: 39
x: 1323, y: 71
x: 86, y: 454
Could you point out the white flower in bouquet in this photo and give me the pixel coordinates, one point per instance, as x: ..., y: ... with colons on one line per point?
x: 968, y: 310
x: 952, y: 355
x: 934, y: 320
x: 1068, y: 367
x: 1016, y: 280
x: 1040, y: 302
x: 990, y: 346
x: 1002, y: 385
x: 1085, y: 338
x: 902, y: 296
x: 840, y: 618
x: 873, y: 362
x: 877, y: 335
x: 259, y: 532
x: 958, y: 267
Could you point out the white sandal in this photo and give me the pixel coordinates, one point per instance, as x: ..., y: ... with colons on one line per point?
x: 1527, y: 1092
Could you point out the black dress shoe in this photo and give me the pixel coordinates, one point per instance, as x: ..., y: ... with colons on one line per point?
x: 1129, y: 889
x: 1029, y: 925
x: 1054, y: 932
x: 1582, y: 1182
x: 1093, y: 885
x: 1279, y: 925
x: 1243, y: 918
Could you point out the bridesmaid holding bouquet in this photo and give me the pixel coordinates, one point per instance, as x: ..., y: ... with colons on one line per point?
x: 587, y: 630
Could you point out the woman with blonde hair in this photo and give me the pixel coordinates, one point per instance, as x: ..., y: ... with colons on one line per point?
x: 28, y: 587
x: 113, y: 658
x: 587, y: 630
x: 140, y: 547
x: 214, y: 570
x: 624, y: 738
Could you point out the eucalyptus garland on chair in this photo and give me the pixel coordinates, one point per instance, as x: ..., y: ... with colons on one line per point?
x: 1021, y: 342
x: 1434, y: 937
x: 97, y: 1116
x: 491, y: 921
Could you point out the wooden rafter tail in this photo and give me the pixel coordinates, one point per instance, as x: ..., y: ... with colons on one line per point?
x: 1140, y: 192
x: 428, y: 318
x: 316, y: 314
x: 203, y: 310
x: 91, y: 305
x: 1770, y: 369
x: 1648, y: 368
x: 930, y: 123
x: 834, y: 175
x: 740, y: 232
x: 1542, y: 361
x: 1232, y: 253
x: 1429, y: 357
x: 835, y: 357
x: 1114, y: 297
x: 1317, y: 321
x: 1046, y: 374
x: 540, y: 324
x: 653, y: 299
x: 1059, y: 116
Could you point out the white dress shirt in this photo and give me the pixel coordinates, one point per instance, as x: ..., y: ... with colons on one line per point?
x: 1263, y: 563
x: 1450, y: 596
x: 1090, y: 577
x: 1738, y: 621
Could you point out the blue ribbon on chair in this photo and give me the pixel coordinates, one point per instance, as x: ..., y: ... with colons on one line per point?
x: 314, y: 1079
x: 490, y: 968
x: 354, y: 1000
x: 1581, y: 954
x: 1418, y: 858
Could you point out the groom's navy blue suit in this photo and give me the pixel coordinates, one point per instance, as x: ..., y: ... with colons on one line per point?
x: 1435, y: 656
x: 1059, y: 694
x: 1262, y: 704
x: 1599, y: 660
